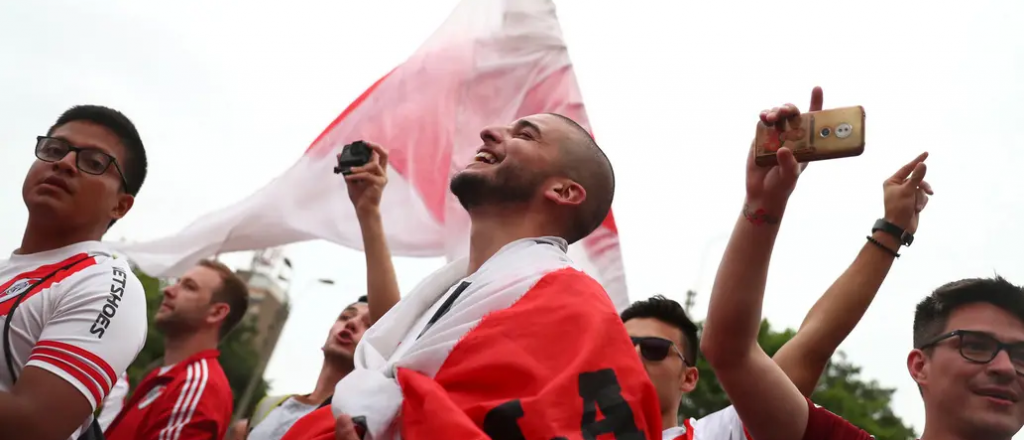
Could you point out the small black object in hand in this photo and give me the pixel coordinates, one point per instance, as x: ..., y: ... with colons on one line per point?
x: 353, y: 155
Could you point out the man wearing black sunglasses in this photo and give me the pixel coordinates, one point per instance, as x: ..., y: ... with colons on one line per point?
x: 74, y: 315
x: 968, y: 360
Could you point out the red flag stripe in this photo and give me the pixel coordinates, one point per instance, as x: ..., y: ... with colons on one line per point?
x: 344, y: 114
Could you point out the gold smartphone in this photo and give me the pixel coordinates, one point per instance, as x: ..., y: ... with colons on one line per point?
x: 821, y: 135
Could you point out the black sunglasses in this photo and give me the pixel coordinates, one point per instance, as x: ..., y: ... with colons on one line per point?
x: 981, y: 348
x: 88, y: 160
x: 656, y: 349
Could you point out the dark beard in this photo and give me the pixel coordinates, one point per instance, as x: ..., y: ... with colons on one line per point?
x: 508, y: 185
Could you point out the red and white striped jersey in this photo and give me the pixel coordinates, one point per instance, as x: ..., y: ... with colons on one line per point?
x: 190, y: 400
x: 726, y: 425
x: 723, y: 424
x: 85, y: 323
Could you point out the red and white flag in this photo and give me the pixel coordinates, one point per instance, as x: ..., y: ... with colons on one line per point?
x: 525, y: 347
x: 491, y: 62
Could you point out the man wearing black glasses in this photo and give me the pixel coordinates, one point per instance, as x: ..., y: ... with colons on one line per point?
x: 74, y: 315
x: 968, y: 360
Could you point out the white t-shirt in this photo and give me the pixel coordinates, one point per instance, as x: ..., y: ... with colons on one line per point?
x: 85, y: 323
x: 280, y: 420
x: 724, y: 424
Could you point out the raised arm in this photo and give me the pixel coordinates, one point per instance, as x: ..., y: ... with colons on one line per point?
x: 365, y: 186
x: 838, y: 311
x: 768, y: 403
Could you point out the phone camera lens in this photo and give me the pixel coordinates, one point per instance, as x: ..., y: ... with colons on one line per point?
x: 825, y: 132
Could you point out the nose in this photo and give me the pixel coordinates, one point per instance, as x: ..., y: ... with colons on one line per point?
x: 492, y: 135
x: 67, y: 163
x: 353, y: 325
x: 1002, y: 366
x: 169, y: 291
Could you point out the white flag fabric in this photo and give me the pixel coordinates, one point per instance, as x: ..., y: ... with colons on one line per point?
x: 491, y: 62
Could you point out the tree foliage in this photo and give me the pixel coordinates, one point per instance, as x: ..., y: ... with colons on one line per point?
x: 238, y: 355
x: 841, y: 390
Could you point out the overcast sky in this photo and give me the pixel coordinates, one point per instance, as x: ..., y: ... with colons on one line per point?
x: 228, y: 95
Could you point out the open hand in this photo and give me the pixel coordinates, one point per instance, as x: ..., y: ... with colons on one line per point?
x: 906, y: 194
x: 769, y: 187
x: 366, y: 183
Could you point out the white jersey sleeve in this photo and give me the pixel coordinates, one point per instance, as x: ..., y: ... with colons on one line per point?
x: 724, y: 424
x: 94, y: 327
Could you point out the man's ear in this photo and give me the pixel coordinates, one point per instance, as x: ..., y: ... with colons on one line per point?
x: 218, y: 312
x: 565, y: 192
x: 124, y: 204
x: 918, y: 366
x: 690, y: 377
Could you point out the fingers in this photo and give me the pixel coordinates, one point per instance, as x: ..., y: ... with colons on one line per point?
x: 787, y: 164
x: 366, y: 179
x: 926, y: 187
x: 905, y: 171
x: 380, y: 155
x: 776, y: 114
x: 375, y: 166
x: 918, y: 176
x: 817, y: 99
x: 345, y: 429
x: 921, y: 200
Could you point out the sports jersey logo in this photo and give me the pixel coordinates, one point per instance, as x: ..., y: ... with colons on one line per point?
x: 17, y: 288
x: 151, y: 396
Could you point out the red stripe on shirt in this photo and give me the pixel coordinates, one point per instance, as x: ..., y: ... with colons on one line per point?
x: 42, y: 271
x: 101, y: 364
x: 69, y: 368
x: 90, y: 370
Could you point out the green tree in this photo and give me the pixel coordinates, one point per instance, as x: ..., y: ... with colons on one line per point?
x: 841, y: 390
x: 238, y: 355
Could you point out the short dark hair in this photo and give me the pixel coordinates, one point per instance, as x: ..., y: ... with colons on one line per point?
x: 362, y: 299
x: 584, y: 162
x: 232, y: 291
x: 671, y: 313
x: 933, y: 312
x: 135, y: 164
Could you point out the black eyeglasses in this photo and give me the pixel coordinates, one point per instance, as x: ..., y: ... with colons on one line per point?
x: 88, y: 160
x: 656, y: 349
x: 981, y: 348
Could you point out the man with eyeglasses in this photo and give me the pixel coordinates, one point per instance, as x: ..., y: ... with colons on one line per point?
x: 968, y: 360
x: 74, y: 314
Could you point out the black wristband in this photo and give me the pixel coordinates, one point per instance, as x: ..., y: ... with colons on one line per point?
x: 885, y: 226
x: 882, y: 246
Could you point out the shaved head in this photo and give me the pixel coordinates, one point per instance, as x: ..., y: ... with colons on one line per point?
x: 584, y: 162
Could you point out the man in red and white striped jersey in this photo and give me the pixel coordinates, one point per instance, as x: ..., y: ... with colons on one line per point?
x: 74, y: 315
x: 189, y: 397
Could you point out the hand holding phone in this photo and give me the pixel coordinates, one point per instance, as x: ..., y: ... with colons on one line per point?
x: 816, y: 135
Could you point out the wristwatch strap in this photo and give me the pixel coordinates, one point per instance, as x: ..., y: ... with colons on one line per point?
x: 903, y: 236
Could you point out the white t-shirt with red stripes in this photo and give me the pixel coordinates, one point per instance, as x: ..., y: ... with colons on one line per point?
x: 85, y: 323
x: 724, y: 424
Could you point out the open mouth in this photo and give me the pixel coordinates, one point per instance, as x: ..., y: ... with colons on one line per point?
x: 484, y: 156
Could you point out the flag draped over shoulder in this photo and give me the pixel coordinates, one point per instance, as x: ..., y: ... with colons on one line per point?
x: 526, y: 347
x: 491, y: 62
